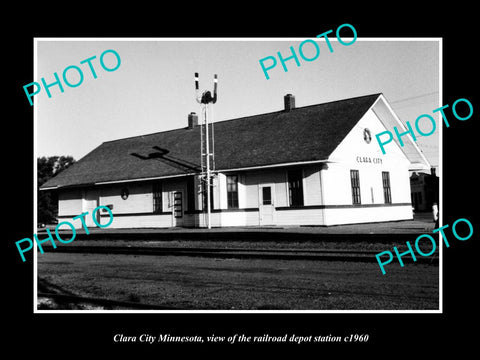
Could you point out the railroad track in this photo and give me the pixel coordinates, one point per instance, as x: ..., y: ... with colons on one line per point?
x: 276, y: 254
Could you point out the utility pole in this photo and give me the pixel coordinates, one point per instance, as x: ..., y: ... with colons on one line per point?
x: 205, y: 99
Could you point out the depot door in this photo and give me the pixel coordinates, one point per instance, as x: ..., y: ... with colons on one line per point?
x: 266, y: 206
x: 90, y: 202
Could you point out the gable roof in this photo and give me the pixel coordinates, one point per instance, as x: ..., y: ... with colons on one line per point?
x: 302, y: 134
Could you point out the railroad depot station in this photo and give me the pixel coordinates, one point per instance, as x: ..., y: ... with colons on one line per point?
x: 311, y: 165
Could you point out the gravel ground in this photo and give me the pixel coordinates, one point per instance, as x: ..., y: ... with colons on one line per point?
x: 230, y: 284
x: 211, y: 283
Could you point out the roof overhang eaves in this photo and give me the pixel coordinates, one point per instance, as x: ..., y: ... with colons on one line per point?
x: 121, y: 181
x: 49, y: 188
x: 308, y: 162
x: 400, y: 123
x: 143, y: 179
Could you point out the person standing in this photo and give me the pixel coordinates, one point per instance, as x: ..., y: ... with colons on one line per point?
x: 435, y: 214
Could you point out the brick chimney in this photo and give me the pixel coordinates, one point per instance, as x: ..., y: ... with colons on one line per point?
x: 289, y: 101
x: 192, y: 120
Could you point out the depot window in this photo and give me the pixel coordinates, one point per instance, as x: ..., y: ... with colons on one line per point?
x: 387, y: 195
x: 232, y: 191
x: 295, y: 187
x: 355, y: 181
x: 157, y: 197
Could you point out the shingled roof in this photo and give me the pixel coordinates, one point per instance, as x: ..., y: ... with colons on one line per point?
x: 302, y: 134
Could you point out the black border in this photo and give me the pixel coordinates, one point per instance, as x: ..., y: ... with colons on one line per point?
x: 405, y: 334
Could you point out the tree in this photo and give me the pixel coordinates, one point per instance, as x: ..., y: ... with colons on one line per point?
x: 48, y: 167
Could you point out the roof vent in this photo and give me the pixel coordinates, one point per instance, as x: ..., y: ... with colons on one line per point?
x: 289, y: 101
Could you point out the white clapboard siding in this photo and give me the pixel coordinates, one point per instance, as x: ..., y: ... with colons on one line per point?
x: 300, y: 217
x: 336, y: 216
x: 69, y: 203
x: 141, y: 221
x: 139, y: 199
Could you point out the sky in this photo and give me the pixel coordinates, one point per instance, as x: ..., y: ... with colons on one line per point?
x: 153, y: 88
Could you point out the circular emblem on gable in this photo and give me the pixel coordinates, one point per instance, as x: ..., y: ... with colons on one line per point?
x: 367, y: 135
x: 125, y: 193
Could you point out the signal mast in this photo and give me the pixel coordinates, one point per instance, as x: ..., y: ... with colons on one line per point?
x: 207, y: 156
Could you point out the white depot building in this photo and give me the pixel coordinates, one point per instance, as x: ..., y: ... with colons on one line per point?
x: 312, y: 165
